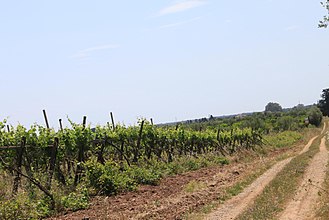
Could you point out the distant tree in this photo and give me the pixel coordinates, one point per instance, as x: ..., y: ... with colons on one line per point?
x: 255, y: 123
x: 325, y: 21
x: 315, y: 116
x: 323, y: 103
x: 273, y: 107
x: 299, y: 106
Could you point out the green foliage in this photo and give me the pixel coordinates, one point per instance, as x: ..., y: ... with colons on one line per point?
x: 288, y: 122
x: 324, y: 22
x: 273, y: 107
x: 108, y: 178
x: 111, y: 179
x: 146, y: 176
x: 20, y: 207
x: 315, y: 116
x: 283, y: 139
x: 323, y: 103
x: 76, y: 200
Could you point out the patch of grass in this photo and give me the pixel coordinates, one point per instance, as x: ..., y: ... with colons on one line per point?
x: 194, y: 186
x: 281, y: 189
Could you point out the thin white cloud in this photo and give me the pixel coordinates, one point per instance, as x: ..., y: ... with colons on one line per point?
x: 181, y: 6
x: 85, y: 53
x: 179, y: 23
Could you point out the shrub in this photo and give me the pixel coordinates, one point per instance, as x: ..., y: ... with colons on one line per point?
x: 108, y: 178
x: 76, y: 200
x: 19, y: 207
x: 144, y: 175
x: 315, y: 116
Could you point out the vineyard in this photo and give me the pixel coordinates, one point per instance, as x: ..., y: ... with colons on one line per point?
x: 60, y: 170
x: 107, y: 157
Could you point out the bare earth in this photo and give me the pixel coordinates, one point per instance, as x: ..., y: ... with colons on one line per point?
x: 303, y: 204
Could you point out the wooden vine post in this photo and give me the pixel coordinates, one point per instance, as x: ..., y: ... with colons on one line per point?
x: 112, y: 119
x: 19, y: 160
x: 52, y: 161
x: 80, y: 156
x: 136, y: 155
x: 60, y: 124
x: 46, y: 119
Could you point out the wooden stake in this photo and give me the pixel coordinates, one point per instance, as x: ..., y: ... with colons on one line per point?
x: 112, y: 119
x: 84, y: 121
x: 52, y: 162
x: 19, y: 160
x: 60, y: 124
x: 46, y: 119
x: 138, y: 142
x: 78, y: 170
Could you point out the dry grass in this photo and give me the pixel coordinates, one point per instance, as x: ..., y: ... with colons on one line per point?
x: 194, y: 186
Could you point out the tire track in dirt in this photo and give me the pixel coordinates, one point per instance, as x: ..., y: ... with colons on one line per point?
x: 307, y: 146
x: 237, y: 204
x: 233, y: 207
x: 303, y: 204
x: 324, y: 128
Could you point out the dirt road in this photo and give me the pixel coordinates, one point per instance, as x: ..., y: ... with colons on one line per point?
x: 233, y: 207
x: 236, y: 205
x: 303, y: 205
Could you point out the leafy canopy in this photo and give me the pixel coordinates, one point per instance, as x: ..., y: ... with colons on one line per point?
x: 273, y: 107
x: 323, y: 103
x: 325, y: 21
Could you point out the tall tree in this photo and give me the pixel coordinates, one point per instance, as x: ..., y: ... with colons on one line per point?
x: 315, y: 116
x: 273, y: 107
x: 324, y: 102
x: 325, y: 21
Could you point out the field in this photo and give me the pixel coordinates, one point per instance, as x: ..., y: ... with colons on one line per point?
x: 149, y: 171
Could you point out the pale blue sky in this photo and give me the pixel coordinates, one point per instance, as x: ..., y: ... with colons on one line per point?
x: 166, y: 59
